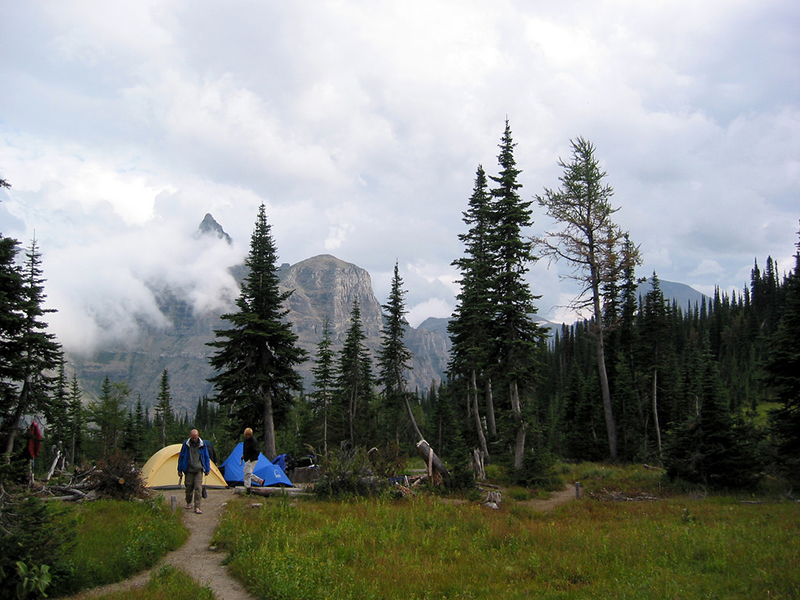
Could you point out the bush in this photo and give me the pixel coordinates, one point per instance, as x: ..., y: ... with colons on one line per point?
x: 33, y: 546
x: 348, y: 472
x: 538, y: 470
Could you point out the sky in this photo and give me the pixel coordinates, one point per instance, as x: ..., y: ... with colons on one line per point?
x: 360, y: 125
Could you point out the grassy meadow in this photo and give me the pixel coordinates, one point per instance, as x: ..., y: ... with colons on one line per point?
x: 679, y: 546
x: 685, y: 544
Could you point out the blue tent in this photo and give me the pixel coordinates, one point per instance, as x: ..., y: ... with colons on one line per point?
x: 233, y: 469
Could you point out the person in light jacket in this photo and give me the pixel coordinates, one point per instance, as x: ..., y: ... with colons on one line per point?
x: 250, y: 453
x: 193, y: 463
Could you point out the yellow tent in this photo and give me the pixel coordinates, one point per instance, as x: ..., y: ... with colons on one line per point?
x: 161, y: 471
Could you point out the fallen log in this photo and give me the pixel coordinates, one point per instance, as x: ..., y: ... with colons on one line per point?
x: 436, y: 469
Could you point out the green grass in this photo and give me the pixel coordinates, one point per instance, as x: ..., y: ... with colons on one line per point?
x: 116, y: 539
x: 426, y: 548
x: 167, y: 583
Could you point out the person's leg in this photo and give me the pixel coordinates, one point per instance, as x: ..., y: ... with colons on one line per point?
x: 188, y: 480
x: 248, y: 473
x: 198, y: 490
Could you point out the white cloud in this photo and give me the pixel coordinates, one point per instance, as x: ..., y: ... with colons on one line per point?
x: 360, y: 126
x: 433, y: 307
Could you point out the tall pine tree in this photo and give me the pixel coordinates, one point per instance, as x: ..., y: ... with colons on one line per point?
x: 471, y: 327
x: 323, y: 371
x: 33, y: 352
x: 783, y: 374
x: 354, y: 380
x: 517, y: 336
x: 394, y: 359
x: 256, y: 356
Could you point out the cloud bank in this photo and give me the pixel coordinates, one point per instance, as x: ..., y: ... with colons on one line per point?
x: 361, y: 125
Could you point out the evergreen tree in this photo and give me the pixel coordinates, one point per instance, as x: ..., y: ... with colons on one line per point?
x: 394, y: 359
x: 589, y: 240
x: 714, y: 449
x: 517, y: 335
x: 783, y: 375
x: 108, y: 414
x: 11, y: 324
x: 163, y: 410
x: 471, y: 325
x: 34, y: 352
x: 654, y: 342
x: 57, y: 410
x: 324, y: 379
x: 76, y: 420
x: 353, y: 392
x: 256, y: 356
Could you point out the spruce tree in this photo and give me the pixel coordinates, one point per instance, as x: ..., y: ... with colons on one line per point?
x: 471, y: 326
x: 394, y: 360
x: 76, y: 420
x: 783, y: 375
x: 354, y: 380
x: 163, y: 410
x: 516, y: 335
x: 108, y: 414
x: 33, y: 351
x: 715, y: 449
x: 257, y: 354
x: 323, y: 372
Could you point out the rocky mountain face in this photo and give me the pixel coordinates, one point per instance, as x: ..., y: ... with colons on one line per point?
x: 324, y: 287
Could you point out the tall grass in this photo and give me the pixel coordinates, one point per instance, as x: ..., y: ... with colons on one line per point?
x: 116, y: 539
x: 426, y: 548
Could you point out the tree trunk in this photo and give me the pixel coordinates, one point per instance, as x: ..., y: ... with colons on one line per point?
x: 411, y: 416
x: 12, y: 434
x: 655, y: 411
x: 269, y: 428
x: 436, y: 468
x: 352, y: 415
x: 477, y: 465
x: 611, y: 427
x: 478, y: 424
x: 490, y: 422
x: 516, y: 407
x: 325, y: 426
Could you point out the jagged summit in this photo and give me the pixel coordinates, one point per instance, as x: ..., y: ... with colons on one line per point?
x: 210, y: 227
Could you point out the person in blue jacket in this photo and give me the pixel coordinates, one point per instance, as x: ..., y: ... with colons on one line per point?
x: 193, y: 463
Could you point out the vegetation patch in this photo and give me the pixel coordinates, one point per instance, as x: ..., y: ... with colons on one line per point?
x: 168, y: 583
x: 115, y: 540
x: 424, y: 548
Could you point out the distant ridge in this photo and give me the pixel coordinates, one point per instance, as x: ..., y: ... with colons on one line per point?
x: 683, y: 295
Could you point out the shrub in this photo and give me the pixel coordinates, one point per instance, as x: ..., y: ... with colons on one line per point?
x: 348, y: 472
x: 33, y: 546
x: 538, y: 470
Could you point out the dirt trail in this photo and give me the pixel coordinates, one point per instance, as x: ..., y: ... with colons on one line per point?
x: 195, y: 556
x: 556, y: 499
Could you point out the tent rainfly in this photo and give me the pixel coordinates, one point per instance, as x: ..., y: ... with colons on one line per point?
x: 272, y: 474
x: 161, y: 471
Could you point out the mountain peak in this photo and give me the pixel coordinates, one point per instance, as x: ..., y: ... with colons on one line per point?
x: 210, y: 227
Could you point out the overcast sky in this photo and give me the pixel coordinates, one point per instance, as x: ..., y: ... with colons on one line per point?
x: 360, y: 125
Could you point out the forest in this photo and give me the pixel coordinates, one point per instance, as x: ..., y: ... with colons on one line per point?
x: 709, y: 392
